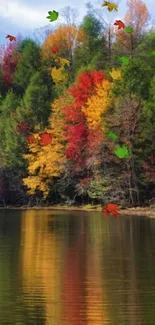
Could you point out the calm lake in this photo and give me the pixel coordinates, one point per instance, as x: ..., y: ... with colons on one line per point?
x: 76, y: 268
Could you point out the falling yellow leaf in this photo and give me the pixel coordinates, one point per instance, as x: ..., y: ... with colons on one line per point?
x: 58, y: 74
x: 110, y: 6
x: 62, y: 61
x: 115, y: 74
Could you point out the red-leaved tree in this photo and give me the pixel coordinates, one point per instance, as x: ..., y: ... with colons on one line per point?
x: 76, y: 131
x: 9, y: 62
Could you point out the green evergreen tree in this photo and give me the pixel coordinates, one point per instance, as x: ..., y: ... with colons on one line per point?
x: 28, y: 65
x: 35, y: 107
x: 136, y: 78
x: 95, y: 51
x: 11, y: 143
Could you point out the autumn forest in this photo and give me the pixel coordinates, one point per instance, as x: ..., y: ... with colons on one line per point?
x: 77, y: 113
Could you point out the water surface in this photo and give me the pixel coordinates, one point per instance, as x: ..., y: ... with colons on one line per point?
x: 76, y: 268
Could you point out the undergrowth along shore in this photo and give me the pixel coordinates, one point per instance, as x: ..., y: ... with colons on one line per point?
x: 137, y: 211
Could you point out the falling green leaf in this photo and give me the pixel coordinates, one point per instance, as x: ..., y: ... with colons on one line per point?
x: 124, y: 60
x: 53, y: 15
x: 112, y: 136
x: 129, y: 29
x: 153, y: 53
x: 122, y: 152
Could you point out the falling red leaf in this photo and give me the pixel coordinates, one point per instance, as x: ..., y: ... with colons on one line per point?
x: 120, y: 24
x: 111, y: 208
x: 30, y: 139
x: 45, y: 139
x: 55, y: 49
x: 11, y: 38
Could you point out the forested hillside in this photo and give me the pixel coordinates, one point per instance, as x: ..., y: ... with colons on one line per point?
x: 71, y: 106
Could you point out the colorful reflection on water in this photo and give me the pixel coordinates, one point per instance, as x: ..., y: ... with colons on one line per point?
x: 76, y: 268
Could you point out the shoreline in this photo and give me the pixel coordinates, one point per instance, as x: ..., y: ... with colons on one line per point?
x: 138, y: 211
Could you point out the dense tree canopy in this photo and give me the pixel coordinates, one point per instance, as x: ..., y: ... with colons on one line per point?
x: 68, y: 109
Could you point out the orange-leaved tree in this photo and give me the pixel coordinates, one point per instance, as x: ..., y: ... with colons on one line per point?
x: 65, y: 39
x: 136, y: 17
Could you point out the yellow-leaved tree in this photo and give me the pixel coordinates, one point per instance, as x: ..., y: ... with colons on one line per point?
x: 94, y: 108
x: 47, y: 162
x: 96, y: 105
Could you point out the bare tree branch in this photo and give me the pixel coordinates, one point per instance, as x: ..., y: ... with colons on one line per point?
x: 70, y: 15
x: 42, y: 33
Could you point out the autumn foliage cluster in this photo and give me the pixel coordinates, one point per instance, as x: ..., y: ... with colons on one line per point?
x: 76, y: 140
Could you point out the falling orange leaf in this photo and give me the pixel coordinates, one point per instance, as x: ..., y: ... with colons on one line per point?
x: 11, y: 38
x: 111, y: 208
